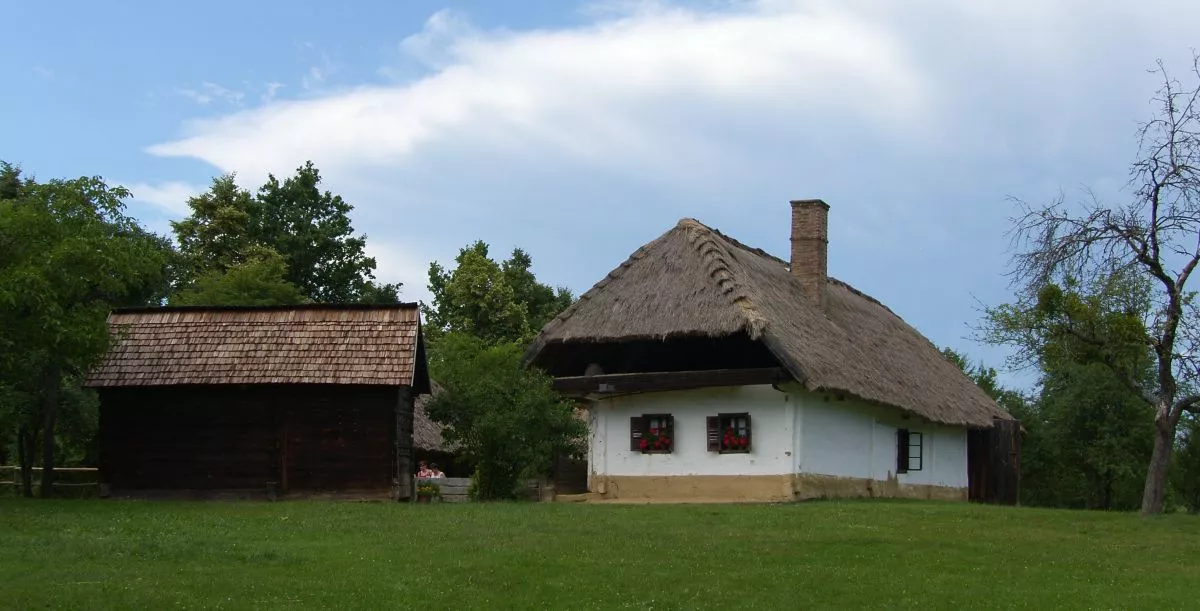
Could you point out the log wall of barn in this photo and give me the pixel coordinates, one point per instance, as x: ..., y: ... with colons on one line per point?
x: 303, y: 438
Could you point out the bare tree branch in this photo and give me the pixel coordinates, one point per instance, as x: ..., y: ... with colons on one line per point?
x: 1156, y: 234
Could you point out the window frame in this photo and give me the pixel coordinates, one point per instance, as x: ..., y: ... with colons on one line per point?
x: 905, y: 457
x: 715, y: 430
x: 639, y: 429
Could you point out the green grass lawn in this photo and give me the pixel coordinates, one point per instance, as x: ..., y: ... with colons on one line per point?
x: 161, y: 555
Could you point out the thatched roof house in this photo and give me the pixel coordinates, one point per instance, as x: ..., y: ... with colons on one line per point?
x: 696, y: 308
x: 314, y: 397
x: 695, y: 282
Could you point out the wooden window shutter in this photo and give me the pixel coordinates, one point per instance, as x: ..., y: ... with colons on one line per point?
x: 637, y: 425
x: 749, y: 439
x: 713, y: 426
x: 901, y: 450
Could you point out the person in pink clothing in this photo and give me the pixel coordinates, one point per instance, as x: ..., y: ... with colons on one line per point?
x: 423, y: 471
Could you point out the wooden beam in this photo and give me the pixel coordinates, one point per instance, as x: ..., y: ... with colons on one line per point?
x: 623, y: 383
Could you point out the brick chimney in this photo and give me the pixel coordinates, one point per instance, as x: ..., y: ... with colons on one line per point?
x: 810, y: 247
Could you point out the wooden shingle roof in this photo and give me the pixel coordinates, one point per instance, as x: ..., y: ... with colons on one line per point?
x: 311, y: 344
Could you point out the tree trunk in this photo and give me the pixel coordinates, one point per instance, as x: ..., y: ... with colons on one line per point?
x: 25, y: 457
x: 50, y: 410
x: 1160, y: 464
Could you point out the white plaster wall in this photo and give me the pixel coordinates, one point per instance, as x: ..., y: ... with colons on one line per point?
x: 793, y: 432
x: 771, y: 422
x: 852, y: 439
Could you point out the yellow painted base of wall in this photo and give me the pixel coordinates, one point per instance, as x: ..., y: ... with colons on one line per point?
x: 761, y: 488
x: 691, y: 487
x: 811, y: 486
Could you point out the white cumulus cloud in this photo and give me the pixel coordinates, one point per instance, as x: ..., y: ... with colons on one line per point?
x: 914, y: 120
x: 170, y: 197
x: 617, y: 92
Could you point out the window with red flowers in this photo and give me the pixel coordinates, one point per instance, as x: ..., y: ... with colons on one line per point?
x: 729, y: 433
x: 652, y: 433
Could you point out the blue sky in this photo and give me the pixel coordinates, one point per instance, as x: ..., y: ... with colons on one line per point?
x: 581, y: 131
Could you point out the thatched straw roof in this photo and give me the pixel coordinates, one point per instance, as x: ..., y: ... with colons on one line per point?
x: 313, y: 344
x: 694, y: 281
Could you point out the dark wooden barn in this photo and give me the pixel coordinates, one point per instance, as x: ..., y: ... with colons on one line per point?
x: 298, y: 399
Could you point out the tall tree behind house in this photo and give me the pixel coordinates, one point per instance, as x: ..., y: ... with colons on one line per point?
x: 506, y: 418
x: 289, y: 243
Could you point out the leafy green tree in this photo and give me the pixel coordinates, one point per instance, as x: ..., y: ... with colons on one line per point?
x: 508, y: 420
x: 11, y: 182
x: 541, y: 302
x: 988, y: 379
x: 78, y: 423
x: 1186, y: 475
x: 217, y: 234
x: 475, y: 298
x: 1153, y: 237
x: 231, y: 228
x: 494, y: 301
x: 1099, y: 435
x: 376, y: 293
x: 311, y: 229
x: 1090, y: 431
x: 68, y: 254
x: 256, y: 281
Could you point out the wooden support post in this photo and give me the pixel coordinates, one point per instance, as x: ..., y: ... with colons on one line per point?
x: 405, y: 486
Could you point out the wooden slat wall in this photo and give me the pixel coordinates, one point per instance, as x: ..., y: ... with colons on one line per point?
x: 994, y: 463
x: 454, y: 489
x: 402, y: 436
x: 329, y: 437
x: 1006, y: 448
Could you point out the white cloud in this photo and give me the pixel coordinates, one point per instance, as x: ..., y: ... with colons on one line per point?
x: 396, y: 263
x: 608, y: 93
x: 271, y: 89
x: 653, y: 88
x: 315, y: 78
x: 170, y: 197
x: 914, y: 120
x: 210, y: 92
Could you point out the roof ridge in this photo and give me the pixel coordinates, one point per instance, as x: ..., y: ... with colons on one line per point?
x: 762, y: 253
x: 716, y: 259
x: 862, y: 294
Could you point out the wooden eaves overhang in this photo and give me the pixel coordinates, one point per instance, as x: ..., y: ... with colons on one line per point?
x: 607, y: 385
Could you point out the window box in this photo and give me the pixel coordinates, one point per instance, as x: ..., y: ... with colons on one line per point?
x: 729, y: 433
x: 652, y: 434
